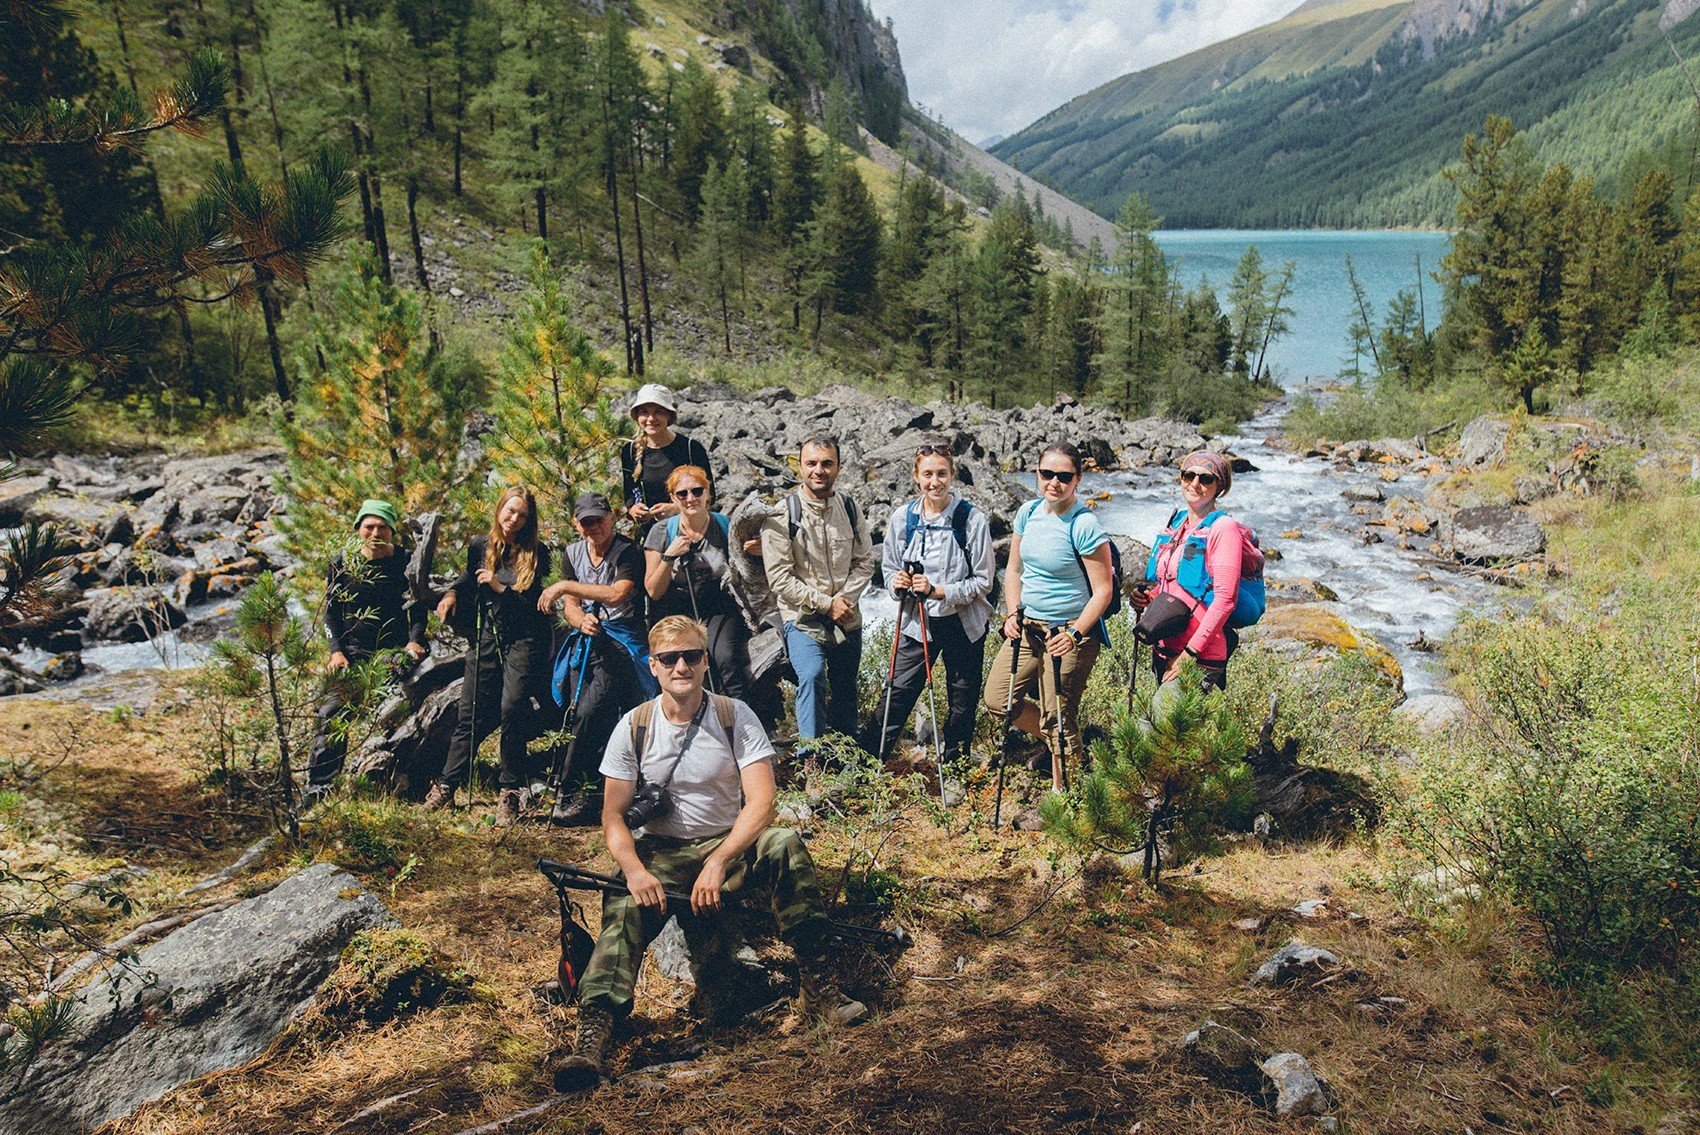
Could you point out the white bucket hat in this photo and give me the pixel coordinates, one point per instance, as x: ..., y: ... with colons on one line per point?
x: 654, y: 394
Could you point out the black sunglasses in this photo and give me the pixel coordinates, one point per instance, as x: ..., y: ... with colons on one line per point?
x: 691, y: 493
x: 671, y: 658
x: 932, y: 451
x: 1206, y: 479
x: 1057, y: 475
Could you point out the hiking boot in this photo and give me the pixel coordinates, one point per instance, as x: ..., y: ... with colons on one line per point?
x: 508, y: 806
x: 441, y: 797
x: 581, y: 1070
x: 820, y: 997
x: 582, y: 809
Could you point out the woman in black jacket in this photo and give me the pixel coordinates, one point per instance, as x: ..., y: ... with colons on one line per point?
x: 495, y: 599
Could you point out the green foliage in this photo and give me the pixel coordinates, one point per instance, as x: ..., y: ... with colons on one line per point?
x: 386, y: 973
x: 553, y: 428
x: 1339, y: 714
x: 1574, y: 797
x: 376, y: 417
x: 32, y: 569
x: 1173, y: 766
x: 259, y: 693
x: 379, y: 834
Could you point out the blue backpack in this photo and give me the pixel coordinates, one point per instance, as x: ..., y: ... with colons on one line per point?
x: 721, y: 521
x: 1194, y: 576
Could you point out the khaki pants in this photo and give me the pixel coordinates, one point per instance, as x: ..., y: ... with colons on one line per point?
x: 1033, y: 677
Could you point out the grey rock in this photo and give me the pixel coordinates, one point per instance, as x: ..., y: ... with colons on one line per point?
x: 1292, y: 963
x: 1311, y: 908
x: 1432, y: 713
x: 63, y: 667
x: 671, y: 953
x: 20, y: 495
x: 1362, y: 492
x: 1494, y: 534
x: 1482, y: 442
x: 207, y: 997
x: 130, y: 614
x: 14, y: 679
x: 1297, y: 1089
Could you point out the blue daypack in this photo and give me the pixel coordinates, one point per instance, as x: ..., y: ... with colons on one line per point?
x: 721, y: 521
x: 1194, y: 576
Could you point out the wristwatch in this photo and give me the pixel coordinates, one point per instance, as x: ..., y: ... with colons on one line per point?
x: 1074, y: 633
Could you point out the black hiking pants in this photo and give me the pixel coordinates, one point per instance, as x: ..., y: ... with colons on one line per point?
x: 964, y: 663
x: 512, y: 685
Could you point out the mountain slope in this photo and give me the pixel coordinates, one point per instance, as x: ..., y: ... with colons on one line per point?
x: 1345, y: 113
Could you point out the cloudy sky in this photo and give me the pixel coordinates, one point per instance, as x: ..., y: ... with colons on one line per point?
x: 990, y: 67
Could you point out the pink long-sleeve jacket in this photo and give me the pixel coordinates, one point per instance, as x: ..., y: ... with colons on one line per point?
x: 1206, y: 633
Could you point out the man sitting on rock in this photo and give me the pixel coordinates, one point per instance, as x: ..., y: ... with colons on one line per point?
x: 368, y: 608
x: 703, y: 752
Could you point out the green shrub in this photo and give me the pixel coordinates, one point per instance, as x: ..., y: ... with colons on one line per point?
x: 370, y: 833
x: 1575, y: 796
x: 1173, y: 767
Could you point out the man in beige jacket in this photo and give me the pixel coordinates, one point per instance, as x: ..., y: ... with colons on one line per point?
x: 819, y: 560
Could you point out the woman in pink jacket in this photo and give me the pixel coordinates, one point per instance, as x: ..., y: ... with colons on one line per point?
x: 1199, y: 560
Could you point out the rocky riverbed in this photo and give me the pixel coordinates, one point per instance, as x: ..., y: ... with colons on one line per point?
x: 1364, y: 533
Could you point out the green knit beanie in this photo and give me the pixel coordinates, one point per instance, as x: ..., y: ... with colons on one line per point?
x: 383, y: 510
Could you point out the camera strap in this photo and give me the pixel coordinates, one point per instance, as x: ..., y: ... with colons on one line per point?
x: 642, y: 740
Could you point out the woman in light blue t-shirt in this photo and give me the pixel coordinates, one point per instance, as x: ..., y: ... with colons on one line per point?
x: 1057, y: 588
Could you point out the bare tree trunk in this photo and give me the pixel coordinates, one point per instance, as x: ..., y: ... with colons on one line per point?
x: 124, y: 45
x: 643, y: 271
x: 413, y: 234
x: 266, y: 82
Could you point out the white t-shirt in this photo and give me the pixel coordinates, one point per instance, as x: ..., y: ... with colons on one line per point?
x: 706, y: 788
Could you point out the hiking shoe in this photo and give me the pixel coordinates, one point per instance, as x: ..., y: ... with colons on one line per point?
x: 581, y: 1070
x: 440, y: 797
x: 820, y: 997
x: 582, y: 809
x: 508, y: 806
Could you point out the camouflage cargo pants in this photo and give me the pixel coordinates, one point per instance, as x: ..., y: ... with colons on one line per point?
x: 778, y: 864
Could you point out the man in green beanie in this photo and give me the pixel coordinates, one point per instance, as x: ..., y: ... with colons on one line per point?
x: 368, y: 608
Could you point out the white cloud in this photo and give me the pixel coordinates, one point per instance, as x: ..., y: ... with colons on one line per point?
x: 991, y: 67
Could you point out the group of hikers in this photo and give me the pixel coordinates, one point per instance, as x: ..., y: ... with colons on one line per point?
x: 668, y: 727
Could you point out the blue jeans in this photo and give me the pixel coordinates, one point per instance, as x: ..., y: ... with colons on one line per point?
x: 836, y: 700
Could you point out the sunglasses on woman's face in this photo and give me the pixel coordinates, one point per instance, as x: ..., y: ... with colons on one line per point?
x: 1205, y: 479
x: 671, y: 658
x: 689, y: 494
x: 1062, y: 475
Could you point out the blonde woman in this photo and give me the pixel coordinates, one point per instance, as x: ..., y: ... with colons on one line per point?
x: 647, y: 461
x: 495, y: 604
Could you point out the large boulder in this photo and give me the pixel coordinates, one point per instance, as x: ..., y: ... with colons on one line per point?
x: 1314, y: 632
x: 130, y: 614
x: 210, y: 996
x: 1482, y: 442
x: 1494, y: 534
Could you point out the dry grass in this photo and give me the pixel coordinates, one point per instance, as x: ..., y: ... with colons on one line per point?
x: 1067, y: 1023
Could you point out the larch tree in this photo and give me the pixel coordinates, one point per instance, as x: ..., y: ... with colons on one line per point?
x: 554, y: 430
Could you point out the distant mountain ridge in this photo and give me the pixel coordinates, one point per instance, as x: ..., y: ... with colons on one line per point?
x: 1345, y: 112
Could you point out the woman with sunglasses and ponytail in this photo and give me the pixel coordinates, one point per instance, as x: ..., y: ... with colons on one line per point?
x: 495, y: 604
x: 1198, y: 562
x: 690, y: 573
x: 1056, y: 588
x: 937, y: 551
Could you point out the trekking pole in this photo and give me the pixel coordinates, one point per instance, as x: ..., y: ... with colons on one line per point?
x: 891, y: 679
x: 1059, y: 767
x: 685, y: 562
x: 932, y: 696
x: 1008, y: 712
x: 568, y: 875
x: 477, y: 668
x: 581, y: 649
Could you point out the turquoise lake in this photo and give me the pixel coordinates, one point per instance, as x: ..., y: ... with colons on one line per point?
x: 1321, y: 298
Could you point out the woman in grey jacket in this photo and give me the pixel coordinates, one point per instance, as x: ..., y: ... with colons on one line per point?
x: 937, y: 552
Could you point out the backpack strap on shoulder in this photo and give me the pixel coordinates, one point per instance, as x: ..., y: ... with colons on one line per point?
x: 640, y: 719
x: 725, y: 713
x: 959, y: 522
x: 793, y: 514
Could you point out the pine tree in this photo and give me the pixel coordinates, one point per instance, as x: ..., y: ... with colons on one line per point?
x: 1173, y: 767
x: 702, y: 133
x: 1490, y: 261
x: 1001, y: 290
x: 796, y: 194
x: 375, y: 419
x: 1131, y: 324
x: 720, y: 232
x: 1360, y: 335
x: 1247, y: 301
x: 553, y: 427
x: 750, y: 143
x: 843, y: 247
